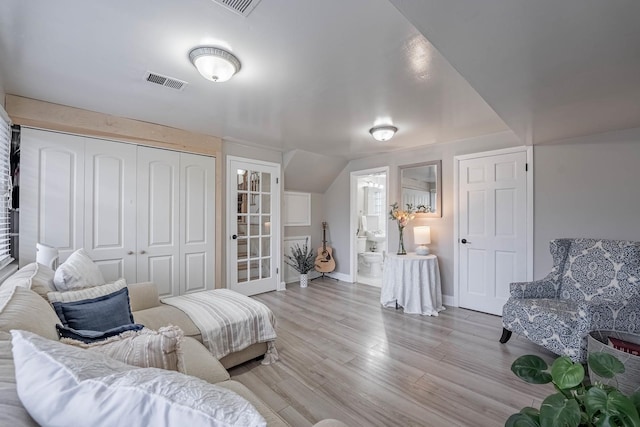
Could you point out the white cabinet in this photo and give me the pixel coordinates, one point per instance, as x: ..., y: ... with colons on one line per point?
x: 141, y: 213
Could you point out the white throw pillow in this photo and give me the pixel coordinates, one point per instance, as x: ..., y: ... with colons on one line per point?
x: 60, y: 385
x: 146, y: 348
x: 87, y: 293
x: 77, y: 272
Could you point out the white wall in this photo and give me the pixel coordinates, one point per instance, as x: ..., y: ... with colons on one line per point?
x: 583, y: 187
x: 337, y: 199
x: 315, y: 229
x: 586, y: 187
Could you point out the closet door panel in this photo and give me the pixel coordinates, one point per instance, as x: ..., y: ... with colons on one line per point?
x: 197, y: 220
x: 52, y: 193
x: 158, y: 219
x: 110, y: 208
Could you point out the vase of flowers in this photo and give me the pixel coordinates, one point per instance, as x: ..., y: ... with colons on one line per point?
x: 301, y: 260
x: 402, y: 217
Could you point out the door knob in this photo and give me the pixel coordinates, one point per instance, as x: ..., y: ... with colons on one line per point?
x: 234, y: 237
x: 142, y: 252
x: 130, y: 253
x: 464, y: 241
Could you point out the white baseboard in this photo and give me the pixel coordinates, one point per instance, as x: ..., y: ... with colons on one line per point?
x: 340, y: 276
x: 282, y: 286
x: 449, y: 300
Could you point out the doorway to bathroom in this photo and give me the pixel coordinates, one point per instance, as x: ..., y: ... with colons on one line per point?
x: 369, y: 196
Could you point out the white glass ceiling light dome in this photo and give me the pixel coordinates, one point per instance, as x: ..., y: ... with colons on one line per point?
x: 214, y: 64
x: 383, y: 133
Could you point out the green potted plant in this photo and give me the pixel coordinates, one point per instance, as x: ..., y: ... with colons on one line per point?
x: 576, y: 403
x: 301, y: 260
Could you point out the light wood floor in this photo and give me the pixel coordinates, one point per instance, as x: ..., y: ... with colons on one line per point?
x: 343, y: 356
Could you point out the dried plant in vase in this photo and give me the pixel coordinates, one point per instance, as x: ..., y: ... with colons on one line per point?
x: 301, y: 260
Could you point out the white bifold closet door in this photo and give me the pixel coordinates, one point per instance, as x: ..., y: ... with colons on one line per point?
x: 158, y: 221
x: 110, y: 205
x: 141, y: 213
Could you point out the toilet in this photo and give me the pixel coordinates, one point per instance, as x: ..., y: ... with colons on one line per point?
x: 368, y: 262
x: 374, y: 261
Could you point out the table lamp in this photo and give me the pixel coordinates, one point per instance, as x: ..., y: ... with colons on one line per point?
x: 422, y: 237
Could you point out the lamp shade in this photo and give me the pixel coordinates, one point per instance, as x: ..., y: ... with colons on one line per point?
x: 47, y: 255
x: 383, y: 133
x: 214, y: 64
x: 422, y: 237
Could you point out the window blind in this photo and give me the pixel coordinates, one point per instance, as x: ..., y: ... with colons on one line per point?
x: 5, y: 191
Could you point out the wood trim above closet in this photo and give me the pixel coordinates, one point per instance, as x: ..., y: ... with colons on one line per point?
x: 46, y: 115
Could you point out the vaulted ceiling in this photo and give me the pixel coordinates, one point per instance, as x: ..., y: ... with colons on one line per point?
x: 316, y: 75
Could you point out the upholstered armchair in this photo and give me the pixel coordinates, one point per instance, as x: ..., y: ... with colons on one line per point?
x: 593, y: 285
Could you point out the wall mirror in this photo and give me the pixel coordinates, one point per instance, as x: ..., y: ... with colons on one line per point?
x: 421, y: 187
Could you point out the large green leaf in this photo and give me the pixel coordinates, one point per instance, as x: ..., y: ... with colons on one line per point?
x: 605, y: 364
x: 521, y: 420
x: 557, y: 411
x: 531, y: 369
x: 610, y: 406
x: 635, y: 398
x: 566, y: 374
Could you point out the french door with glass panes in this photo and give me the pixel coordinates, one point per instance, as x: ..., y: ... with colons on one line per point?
x: 253, y: 225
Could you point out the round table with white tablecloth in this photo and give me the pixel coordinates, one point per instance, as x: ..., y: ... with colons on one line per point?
x: 413, y: 282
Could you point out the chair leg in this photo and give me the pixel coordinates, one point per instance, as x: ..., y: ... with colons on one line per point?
x: 506, y: 334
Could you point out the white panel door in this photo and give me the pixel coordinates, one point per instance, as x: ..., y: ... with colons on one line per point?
x: 492, y: 229
x: 52, y: 193
x: 110, y: 208
x: 197, y: 223
x: 158, y: 201
x: 253, y: 224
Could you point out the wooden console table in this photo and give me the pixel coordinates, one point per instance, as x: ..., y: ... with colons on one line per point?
x: 413, y: 282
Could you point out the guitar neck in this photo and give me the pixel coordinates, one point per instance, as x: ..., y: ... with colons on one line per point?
x: 324, y: 240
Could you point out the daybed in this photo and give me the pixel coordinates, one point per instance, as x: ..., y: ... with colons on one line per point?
x: 21, y: 308
x: 149, y: 311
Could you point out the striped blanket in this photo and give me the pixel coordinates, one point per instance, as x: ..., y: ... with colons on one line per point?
x: 229, y: 321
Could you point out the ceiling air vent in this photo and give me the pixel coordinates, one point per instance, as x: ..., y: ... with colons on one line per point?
x: 161, y: 80
x: 242, y: 7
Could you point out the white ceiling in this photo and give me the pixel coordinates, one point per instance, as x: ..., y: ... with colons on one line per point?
x: 316, y: 75
x: 551, y: 69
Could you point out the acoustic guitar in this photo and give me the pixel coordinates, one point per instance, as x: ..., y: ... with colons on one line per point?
x: 324, y: 261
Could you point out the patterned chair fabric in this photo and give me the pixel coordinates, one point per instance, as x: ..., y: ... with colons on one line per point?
x: 593, y: 285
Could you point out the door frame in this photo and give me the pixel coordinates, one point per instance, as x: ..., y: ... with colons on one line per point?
x: 353, y: 224
x: 276, y: 231
x: 456, y: 211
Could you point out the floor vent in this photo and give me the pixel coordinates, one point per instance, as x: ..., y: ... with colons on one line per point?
x: 165, y: 81
x: 242, y: 7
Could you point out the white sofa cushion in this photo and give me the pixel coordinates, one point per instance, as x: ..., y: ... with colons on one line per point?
x: 77, y: 272
x: 34, y: 276
x: 21, y: 308
x: 61, y: 384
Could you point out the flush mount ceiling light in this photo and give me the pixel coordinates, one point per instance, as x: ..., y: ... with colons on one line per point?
x: 214, y: 64
x: 383, y: 133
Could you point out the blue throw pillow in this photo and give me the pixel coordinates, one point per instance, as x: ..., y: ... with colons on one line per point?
x: 93, y: 336
x: 96, y: 314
